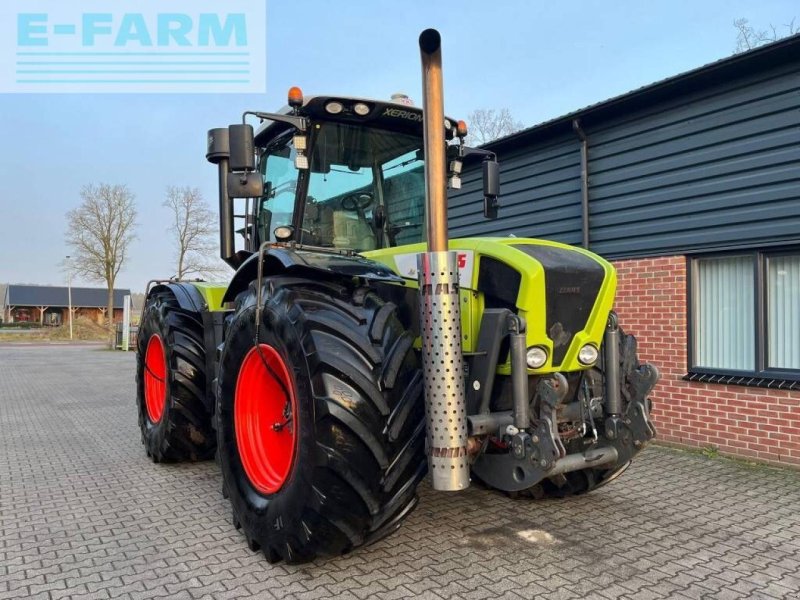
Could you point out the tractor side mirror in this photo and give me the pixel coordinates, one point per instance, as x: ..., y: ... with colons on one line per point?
x: 242, y: 148
x: 245, y: 185
x: 491, y: 188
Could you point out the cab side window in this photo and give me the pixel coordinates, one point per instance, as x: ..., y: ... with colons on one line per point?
x: 280, y: 184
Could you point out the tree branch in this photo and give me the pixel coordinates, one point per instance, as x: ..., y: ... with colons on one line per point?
x: 193, y: 229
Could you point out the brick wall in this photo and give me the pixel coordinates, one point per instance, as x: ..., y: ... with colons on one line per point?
x: 741, y: 421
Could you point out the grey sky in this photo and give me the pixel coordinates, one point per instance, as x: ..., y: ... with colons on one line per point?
x: 539, y: 59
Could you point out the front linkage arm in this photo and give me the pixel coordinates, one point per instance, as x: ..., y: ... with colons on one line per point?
x: 538, y: 452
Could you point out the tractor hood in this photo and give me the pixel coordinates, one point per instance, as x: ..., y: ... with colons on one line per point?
x: 563, y: 292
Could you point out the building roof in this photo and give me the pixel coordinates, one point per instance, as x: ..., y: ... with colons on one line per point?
x: 786, y: 50
x: 53, y: 296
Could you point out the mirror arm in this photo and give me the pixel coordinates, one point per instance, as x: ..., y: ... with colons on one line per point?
x: 300, y: 123
x: 462, y: 151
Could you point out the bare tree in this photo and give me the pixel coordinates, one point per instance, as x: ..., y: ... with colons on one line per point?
x: 487, y: 124
x: 748, y: 37
x: 193, y: 229
x: 99, y: 232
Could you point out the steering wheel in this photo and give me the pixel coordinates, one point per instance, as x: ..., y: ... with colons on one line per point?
x: 358, y: 201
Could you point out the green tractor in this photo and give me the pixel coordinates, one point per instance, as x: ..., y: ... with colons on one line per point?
x: 357, y: 349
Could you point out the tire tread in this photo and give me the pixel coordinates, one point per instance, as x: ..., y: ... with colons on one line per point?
x: 369, y: 457
x: 186, y: 435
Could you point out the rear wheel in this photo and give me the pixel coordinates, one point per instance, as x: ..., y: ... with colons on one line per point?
x: 171, y: 382
x: 320, y: 419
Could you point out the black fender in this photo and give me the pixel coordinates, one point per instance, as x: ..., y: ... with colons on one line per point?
x: 187, y: 295
x: 280, y: 260
x: 190, y: 299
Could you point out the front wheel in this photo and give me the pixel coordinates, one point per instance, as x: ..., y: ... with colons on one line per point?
x: 320, y: 419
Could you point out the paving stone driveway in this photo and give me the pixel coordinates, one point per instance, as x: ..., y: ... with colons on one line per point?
x: 83, y: 514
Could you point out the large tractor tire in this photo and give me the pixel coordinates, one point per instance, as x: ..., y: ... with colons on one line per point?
x: 320, y: 419
x: 171, y: 382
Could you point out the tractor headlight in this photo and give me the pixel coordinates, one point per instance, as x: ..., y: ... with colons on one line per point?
x: 283, y: 233
x: 587, y: 355
x: 536, y: 357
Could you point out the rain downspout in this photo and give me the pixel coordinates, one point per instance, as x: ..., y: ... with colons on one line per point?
x: 576, y: 125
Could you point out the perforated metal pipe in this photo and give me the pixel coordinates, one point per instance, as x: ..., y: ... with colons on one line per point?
x: 440, y: 317
x: 445, y: 405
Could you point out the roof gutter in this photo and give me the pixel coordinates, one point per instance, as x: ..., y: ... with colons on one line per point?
x: 576, y: 126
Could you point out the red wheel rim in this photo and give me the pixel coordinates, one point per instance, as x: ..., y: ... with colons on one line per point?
x: 155, y: 378
x: 265, y: 419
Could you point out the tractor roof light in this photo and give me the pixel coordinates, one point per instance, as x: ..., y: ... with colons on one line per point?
x: 455, y: 175
x: 536, y: 357
x: 301, y: 162
x: 361, y: 109
x: 588, y: 355
x: 300, y: 143
x: 295, y: 97
x: 334, y: 107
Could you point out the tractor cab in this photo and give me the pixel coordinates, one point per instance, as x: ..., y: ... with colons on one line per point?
x: 364, y: 189
x: 342, y: 174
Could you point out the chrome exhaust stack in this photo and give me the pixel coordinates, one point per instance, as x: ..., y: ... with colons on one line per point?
x: 440, y: 317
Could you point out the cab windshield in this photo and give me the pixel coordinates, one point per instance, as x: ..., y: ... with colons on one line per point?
x: 366, y: 189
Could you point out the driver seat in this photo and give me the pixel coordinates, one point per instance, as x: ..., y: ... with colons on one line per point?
x: 349, y: 232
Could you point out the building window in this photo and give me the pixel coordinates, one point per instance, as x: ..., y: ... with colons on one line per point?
x: 783, y: 312
x: 745, y: 315
x: 724, y: 330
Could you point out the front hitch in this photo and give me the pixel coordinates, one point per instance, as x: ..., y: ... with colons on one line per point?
x: 541, y: 454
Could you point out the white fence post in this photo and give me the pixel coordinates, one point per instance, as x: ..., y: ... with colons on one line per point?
x: 126, y: 322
